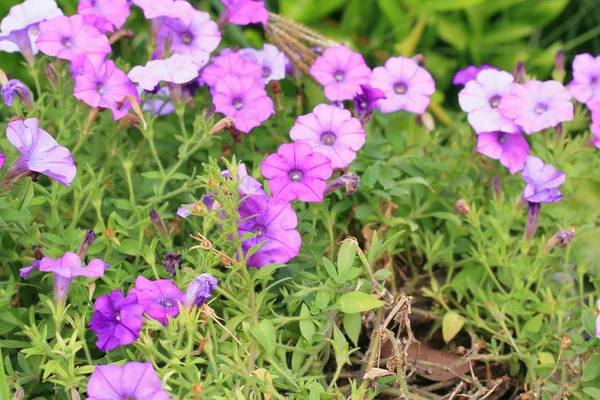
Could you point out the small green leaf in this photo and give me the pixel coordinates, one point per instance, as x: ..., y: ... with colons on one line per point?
x: 534, y: 324
x: 595, y: 393
x: 382, y: 274
x: 152, y: 175
x: 352, y: 325
x: 330, y: 268
x: 307, y: 327
x: 592, y: 368
x: 355, y: 302
x: 588, y: 320
x: 452, y: 323
x: 346, y: 256
x: 264, y: 333
x: 128, y: 247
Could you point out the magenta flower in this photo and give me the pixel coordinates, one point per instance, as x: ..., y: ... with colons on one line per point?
x: 199, y: 290
x: 331, y: 131
x: 244, y: 99
x: 470, y: 73
x: 230, y: 63
x: 406, y: 85
x: 175, y: 69
x: 159, y: 298
x: 99, y: 22
x: 537, y: 105
x: 245, y: 12
x: 196, y: 39
x: 166, y: 8
x: 510, y: 148
x: 271, y: 60
x: 273, y: 221
x: 585, y: 86
x: 296, y: 172
x: 20, y: 28
x: 341, y: 71
x: 105, y: 86
x: 595, y: 127
x: 117, y: 320
x: 13, y: 88
x: 481, y: 98
x: 114, y: 11
x: 68, y: 37
x: 134, y: 380
x: 39, y: 153
x: 365, y: 101
x: 2, y: 160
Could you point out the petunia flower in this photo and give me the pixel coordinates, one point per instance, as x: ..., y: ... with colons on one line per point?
x: 230, y: 63
x: 585, y: 86
x: 105, y: 86
x: 68, y: 37
x: 598, y: 322
x: 134, y: 380
x: 114, y: 11
x: 537, y: 105
x: 158, y: 103
x: 272, y: 221
x: 595, y: 126
x: 117, y: 320
x: 154, y: 9
x: 244, y: 99
x: 247, y: 186
x: 159, y: 298
x: 470, y: 73
x: 510, y: 148
x: 245, y: 12
x: 13, y: 88
x: 331, y: 131
x: 176, y: 69
x: 295, y: 172
x: 348, y: 181
x: 271, y: 60
x: 195, y: 40
x: 481, y: 98
x: 341, y: 71
x: 99, y: 22
x: 365, y: 101
x: 2, y: 160
x: 20, y: 28
x: 199, y: 290
x: 406, y: 85
x: 172, y: 262
x: 39, y: 153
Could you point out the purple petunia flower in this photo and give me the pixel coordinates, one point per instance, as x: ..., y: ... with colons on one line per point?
x: 195, y: 40
x: 175, y: 69
x: 134, y: 380
x: 13, y: 88
x: 159, y: 298
x: 200, y: 289
x: 230, y: 63
x: 245, y: 12
x: 104, y: 86
x: 272, y: 221
x: 470, y: 73
x: 271, y: 60
x: 154, y: 9
x: 158, y: 103
x: 2, y: 160
x: 537, y: 105
x: 406, y: 85
x: 39, y: 152
x: 365, y: 101
x: 341, y: 71
x: 595, y: 127
x: 20, y: 28
x: 330, y: 131
x: 68, y: 37
x: 244, y: 99
x: 585, y: 86
x: 296, y: 172
x: 481, y: 98
x: 510, y: 148
x: 115, y: 12
x: 117, y: 320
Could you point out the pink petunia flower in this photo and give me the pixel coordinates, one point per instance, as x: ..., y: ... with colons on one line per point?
x: 166, y: 8
x: 245, y: 12
x: 68, y: 37
x: 537, y: 105
x: 296, y: 172
x: 272, y: 61
x: 160, y: 298
x: 481, y: 98
x: 176, y: 69
x: 406, y: 86
x: 114, y: 11
x: 595, y: 125
x: 99, y: 22
x: 510, y: 148
x: 133, y: 380
x: 585, y: 86
x: 244, y: 99
x: 230, y: 63
x: 470, y: 73
x: 2, y: 160
x: 341, y: 71
x: 331, y: 131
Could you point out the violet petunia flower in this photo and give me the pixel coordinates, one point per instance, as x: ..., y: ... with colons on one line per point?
x: 244, y: 99
x: 13, y: 88
x: 406, y: 85
x: 154, y: 9
x: 247, y: 186
x: 271, y: 60
x: 105, y: 86
x: 510, y: 148
x: 585, y: 86
x: 245, y: 12
x: 470, y: 73
x: 39, y: 153
x: 117, y: 320
x: 195, y: 40
x: 199, y: 290
x: 99, y: 22
x: 331, y: 131
x: 160, y: 298
x: 20, y: 28
x: 537, y: 105
x: 230, y: 63
x: 176, y: 69
x: 134, y: 380
x: 2, y: 160
x: 595, y: 126
x: 295, y: 172
x: 481, y: 98
x: 68, y: 37
x: 365, y: 101
x: 115, y: 12
x: 341, y: 71
x: 272, y: 221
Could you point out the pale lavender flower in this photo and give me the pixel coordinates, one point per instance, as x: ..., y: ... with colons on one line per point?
x: 134, y: 380
x: 271, y: 60
x: 470, y: 73
x: 2, y: 160
x: 245, y: 12
x: 158, y: 103
x: 13, y: 88
x: 114, y: 11
x: 230, y: 63
x: 155, y: 9
x: 585, y: 86
x: 199, y: 290
x: 175, y: 69
x: 510, y: 148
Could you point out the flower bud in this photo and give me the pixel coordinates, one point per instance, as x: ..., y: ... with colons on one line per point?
x: 158, y: 223
x: 519, y: 73
x: 561, y: 238
x: 462, y: 207
x: 199, y: 290
x: 15, y: 87
x: 208, y: 113
x: 51, y: 75
x: 37, y: 252
x: 349, y: 181
x: 87, y: 241
x: 497, y: 187
x: 559, y: 66
x: 19, y: 394
x: 533, y: 213
x: 171, y: 262
x: 224, y: 124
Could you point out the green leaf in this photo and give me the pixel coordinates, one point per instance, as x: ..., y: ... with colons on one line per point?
x: 452, y: 323
x: 152, y: 175
x: 588, y: 320
x: 308, y: 10
x: 355, y: 302
x: 592, y: 368
x: 264, y: 333
x: 453, y: 31
x: 370, y: 175
x: 415, y: 180
x: 422, y: 6
x: 128, y: 247
x: 595, y: 393
x: 382, y: 274
x: 330, y: 268
x: 346, y: 256
x: 534, y: 324
x: 506, y: 33
x: 54, y: 238
x: 307, y: 327
x: 352, y: 325
x: 546, y: 358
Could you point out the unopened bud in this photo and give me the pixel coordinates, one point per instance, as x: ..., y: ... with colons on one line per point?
x: 497, y: 187
x: 349, y: 181
x: 208, y: 113
x: 87, y: 241
x: 171, y: 262
x: 38, y: 253
x: 419, y: 59
x: 462, y: 207
x: 158, y: 223
x: 224, y: 124
x: 51, y: 75
x: 519, y: 73
x: 75, y: 394
x: 426, y: 120
x: 19, y: 394
x: 559, y: 66
x: 560, y: 238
